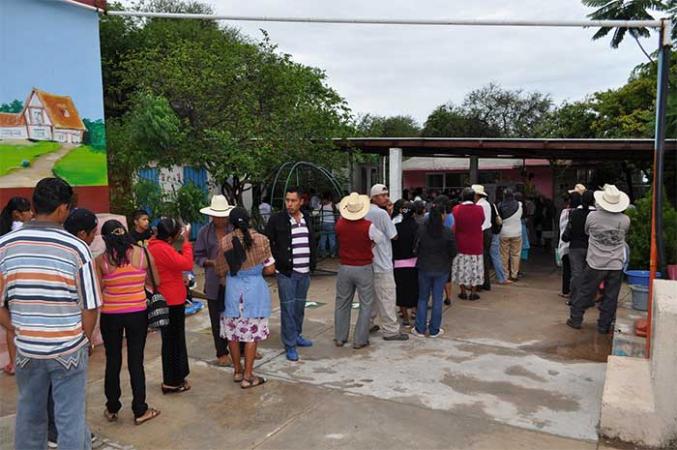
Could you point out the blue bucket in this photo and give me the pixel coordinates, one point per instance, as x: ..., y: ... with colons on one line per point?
x: 639, y: 277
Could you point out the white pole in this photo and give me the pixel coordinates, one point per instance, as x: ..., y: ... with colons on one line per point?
x: 395, y: 173
x: 439, y: 22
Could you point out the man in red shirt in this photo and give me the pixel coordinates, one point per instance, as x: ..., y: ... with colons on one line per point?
x: 356, y: 237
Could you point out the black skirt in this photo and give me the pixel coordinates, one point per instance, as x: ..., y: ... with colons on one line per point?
x: 174, y: 353
x: 406, y: 283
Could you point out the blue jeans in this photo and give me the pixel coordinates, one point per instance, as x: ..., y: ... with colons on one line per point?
x: 496, y: 258
x: 327, y: 237
x: 430, y: 282
x: 293, y: 291
x: 68, y: 378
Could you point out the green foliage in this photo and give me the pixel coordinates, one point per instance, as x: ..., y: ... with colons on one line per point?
x: 639, y: 236
x: 623, y: 10
x: 149, y: 196
x: 12, y: 155
x: 188, y: 200
x: 393, y: 126
x: 14, y: 106
x: 570, y: 120
x: 96, y: 134
x: 453, y: 121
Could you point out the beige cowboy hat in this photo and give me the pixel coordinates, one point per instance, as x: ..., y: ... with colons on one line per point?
x: 611, y: 199
x: 479, y: 189
x: 354, y: 206
x: 219, y: 207
x: 580, y: 188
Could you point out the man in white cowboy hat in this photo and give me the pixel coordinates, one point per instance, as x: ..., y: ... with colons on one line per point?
x: 356, y: 237
x: 606, y: 228
x: 384, y: 277
x: 206, y: 251
x: 482, y: 200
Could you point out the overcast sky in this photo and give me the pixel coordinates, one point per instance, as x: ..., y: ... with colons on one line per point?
x: 390, y: 70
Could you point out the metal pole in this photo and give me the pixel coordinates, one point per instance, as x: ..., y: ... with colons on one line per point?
x: 374, y: 21
x: 657, y: 258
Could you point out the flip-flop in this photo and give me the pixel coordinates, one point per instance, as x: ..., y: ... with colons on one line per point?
x: 255, y: 381
x: 218, y: 363
x: 151, y: 414
x: 238, y: 377
x: 175, y: 390
x: 110, y: 416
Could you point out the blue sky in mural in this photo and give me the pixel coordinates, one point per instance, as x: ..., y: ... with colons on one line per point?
x: 52, y: 46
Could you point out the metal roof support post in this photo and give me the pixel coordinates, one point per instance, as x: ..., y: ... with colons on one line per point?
x: 474, y: 170
x: 395, y: 173
x: 657, y: 259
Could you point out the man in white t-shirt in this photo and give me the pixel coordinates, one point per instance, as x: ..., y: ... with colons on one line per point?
x: 481, y: 200
x: 384, y: 279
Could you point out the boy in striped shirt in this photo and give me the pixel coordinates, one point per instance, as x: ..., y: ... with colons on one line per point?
x: 48, y: 284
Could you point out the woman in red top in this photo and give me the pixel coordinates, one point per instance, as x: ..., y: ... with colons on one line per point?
x: 468, y: 267
x: 170, y: 266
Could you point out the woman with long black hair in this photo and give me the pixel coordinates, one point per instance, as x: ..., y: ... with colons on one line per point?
x: 123, y: 270
x: 170, y: 266
x: 16, y: 212
x: 404, y: 259
x: 248, y: 304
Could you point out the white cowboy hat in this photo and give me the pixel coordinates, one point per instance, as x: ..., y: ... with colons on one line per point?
x: 354, y: 206
x: 611, y: 199
x: 580, y: 188
x: 219, y: 207
x: 479, y: 189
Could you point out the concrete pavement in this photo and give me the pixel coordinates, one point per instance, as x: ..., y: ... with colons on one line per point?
x: 507, y: 374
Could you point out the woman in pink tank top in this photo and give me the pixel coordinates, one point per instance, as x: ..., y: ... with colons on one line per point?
x: 123, y: 270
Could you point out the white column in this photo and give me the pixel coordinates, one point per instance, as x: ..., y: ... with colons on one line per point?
x: 395, y: 173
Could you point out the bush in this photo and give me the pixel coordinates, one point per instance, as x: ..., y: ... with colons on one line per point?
x: 189, y: 199
x: 639, y: 236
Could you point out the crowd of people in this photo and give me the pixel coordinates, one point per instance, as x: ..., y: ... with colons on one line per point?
x: 401, y: 258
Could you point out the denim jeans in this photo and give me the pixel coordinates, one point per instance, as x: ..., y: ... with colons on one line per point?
x: 430, y: 283
x: 327, y: 237
x: 496, y: 258
x: 293, y: 291
x: 67, y: 375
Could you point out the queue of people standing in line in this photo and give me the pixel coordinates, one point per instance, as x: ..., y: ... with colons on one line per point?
x: 594, y: 252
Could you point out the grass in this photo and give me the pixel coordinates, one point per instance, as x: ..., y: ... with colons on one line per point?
x: 11, y: 155
x: 83, y: 166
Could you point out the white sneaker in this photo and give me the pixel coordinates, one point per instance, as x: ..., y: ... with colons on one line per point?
x: 51, y: 444
x: 416, y: 333
x: 440, y: 333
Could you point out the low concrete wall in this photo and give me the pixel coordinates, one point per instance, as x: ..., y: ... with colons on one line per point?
x: 639, y: 403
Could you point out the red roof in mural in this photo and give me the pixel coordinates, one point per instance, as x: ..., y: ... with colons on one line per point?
x: 61, y: 110
x: 12, y: 120
x: 96, y: 3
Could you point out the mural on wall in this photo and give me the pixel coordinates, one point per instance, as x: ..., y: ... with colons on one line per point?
x: 51, y: 98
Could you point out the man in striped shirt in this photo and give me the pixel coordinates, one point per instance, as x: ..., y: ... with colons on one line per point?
x: 292, y: 244
x: 51, y: 299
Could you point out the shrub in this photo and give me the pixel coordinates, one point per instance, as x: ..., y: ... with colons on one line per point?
x: 639, y: 236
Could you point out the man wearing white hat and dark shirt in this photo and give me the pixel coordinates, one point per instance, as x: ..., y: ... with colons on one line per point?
x: 481, y: 200
x: 384, y: 279
x: 606, y: 228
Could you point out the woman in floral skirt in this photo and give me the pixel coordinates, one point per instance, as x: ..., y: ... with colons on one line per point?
x: 468, y: 267
x: 248, y: 303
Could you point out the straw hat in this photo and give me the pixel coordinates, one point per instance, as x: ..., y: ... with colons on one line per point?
x: 479, y: 189
x: 354, y: 206
x: 580, y: 188
x: 611, y: 199
x: 219, y: 207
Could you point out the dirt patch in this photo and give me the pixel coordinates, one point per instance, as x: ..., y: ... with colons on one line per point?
x: 527, y: 400
x: 522, y: 372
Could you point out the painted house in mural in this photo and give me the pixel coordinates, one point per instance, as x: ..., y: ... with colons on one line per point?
x: 45, y: 117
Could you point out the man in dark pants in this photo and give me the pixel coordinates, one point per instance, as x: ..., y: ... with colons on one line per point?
x: 481, y: 200
x: 292, y: 243
x: 606, y: 228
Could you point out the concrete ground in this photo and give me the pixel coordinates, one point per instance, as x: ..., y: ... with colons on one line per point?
x: 507, y: 374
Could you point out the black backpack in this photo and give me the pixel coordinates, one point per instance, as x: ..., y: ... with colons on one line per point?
x: 496, y: 221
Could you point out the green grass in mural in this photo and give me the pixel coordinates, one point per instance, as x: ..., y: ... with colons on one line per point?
x: 12, y: 155
x: 83, y: 166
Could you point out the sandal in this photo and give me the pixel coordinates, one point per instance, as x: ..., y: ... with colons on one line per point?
x: 258, y: 356
x: 474, y: 297
x: 463, y: 296
x: 227, y: 362
x: 253, y: 382
x: 175, y: 390
x: 110, y: 416
x: 150, y: 414
x: 238, y: 377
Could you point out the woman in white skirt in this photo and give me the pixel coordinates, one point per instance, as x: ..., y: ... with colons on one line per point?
x: 468, y: 267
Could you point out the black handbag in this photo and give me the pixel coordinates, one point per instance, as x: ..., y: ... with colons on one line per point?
x: 158, y: 311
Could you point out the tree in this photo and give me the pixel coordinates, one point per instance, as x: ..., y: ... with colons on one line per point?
x: 570, y: 120
x: 452, y: 121
x: 393, y: 126
x: 14, y: 106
